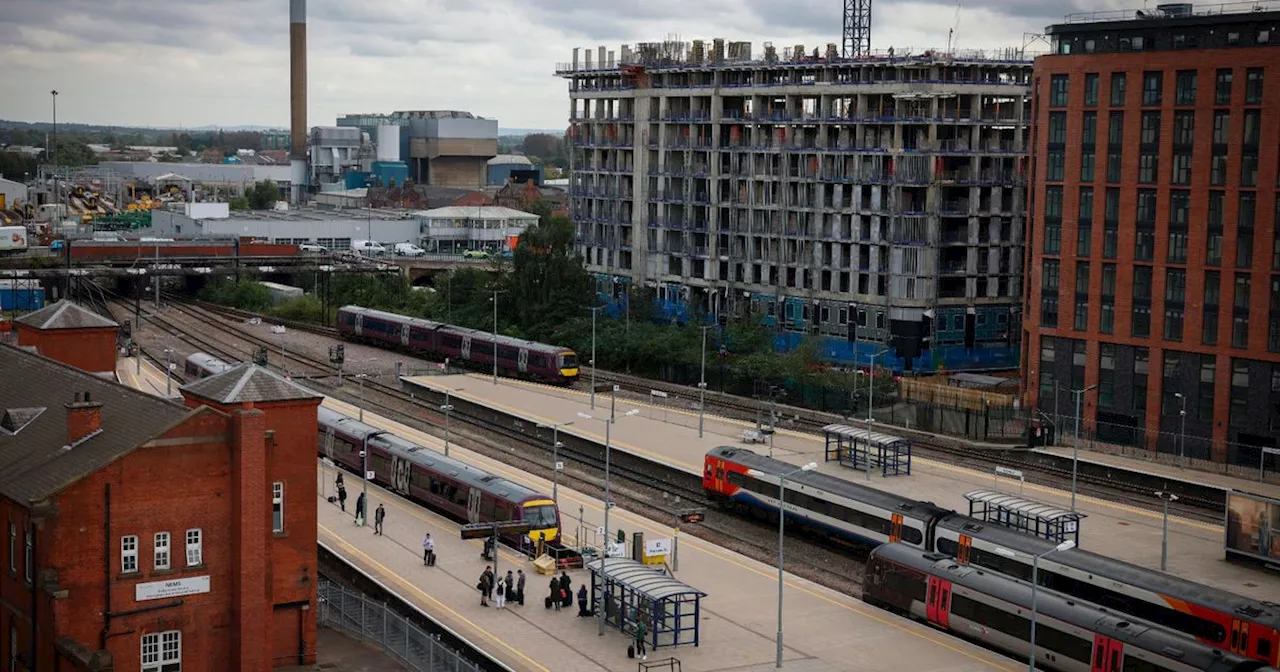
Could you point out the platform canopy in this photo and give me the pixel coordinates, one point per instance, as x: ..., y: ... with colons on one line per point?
x: 863, y: 449
x: 632, y: 591
x: 1026, y: 515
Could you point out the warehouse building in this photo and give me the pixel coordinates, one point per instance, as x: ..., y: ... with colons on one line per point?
x: 442, y: 148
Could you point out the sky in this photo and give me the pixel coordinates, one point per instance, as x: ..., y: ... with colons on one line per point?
x: 193, y: 63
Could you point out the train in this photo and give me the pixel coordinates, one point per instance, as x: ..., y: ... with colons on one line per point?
x: 743, y: 480
x: 994, y: 610
x: 442, y: 483
x: 203, y: 365
x: 133, y: 250
x: 517, y: 358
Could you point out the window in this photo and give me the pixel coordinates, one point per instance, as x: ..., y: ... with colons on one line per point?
x: 1115, y: 129
x: 1175, y: 298
x: 1082, y: 277
x: 1150, y: 135
x: 1088, y: 163
x: 1253, y: 86
x: 1144, y: 245
x: 1049, y: 275
x: 1142, y: 301
x: 1239, y: 393
x: 1243, y: 282
x: 29, y: 556
x: 1152, y: 88
x: 1252, y: 126
x: 13, y: 644
x: 1106, y: 375
x: 1058, y: 90
x: 1240, y: 316
x: 1089, y: 129
x: 1148, y: 168
x: 277, y: 507
x: 1184, y: 127
x: 1090, y: 89
x: 1114, y: 166
x: 1117, y: 89
x: 162, y: 550
x: 195, y: 547
x: 1107, y: 324
x: 1185, y: 87
x: 128, y: 554
x: 1177, y: 247
x: 1221, y: 126
x: 1208, y: 374
x: 162, y: 651
x: 1057, y: 128
x: 1222, y: 87
x: 1146, y: 213
x: 1056, y: 166
x: 1084, y: 205
x: 1049, y: 311
x: 1084, y: 236
x: 1082, y: 297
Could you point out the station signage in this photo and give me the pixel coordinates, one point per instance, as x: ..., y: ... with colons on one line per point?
x: 159, y: 590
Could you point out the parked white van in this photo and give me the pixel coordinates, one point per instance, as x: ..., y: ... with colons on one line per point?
x: 409, y: 250
x: 367, y: 247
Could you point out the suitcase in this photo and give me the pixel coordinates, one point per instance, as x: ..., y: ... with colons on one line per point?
x: 631, y: 650
x: 548, y: 602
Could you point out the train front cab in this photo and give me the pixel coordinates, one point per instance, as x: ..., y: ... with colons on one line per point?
x: 543, y: 518
x: 567, y: 365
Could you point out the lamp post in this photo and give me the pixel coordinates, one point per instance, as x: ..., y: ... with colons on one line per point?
x: 448, y: 409
x: 782, y: 517
x: 362, y: 376
x: 364, y: 474
x: 57, y: 197
x: 594, y: 310
x: 1165, y: 497
x: 1182, y: 431
x: 871, y: 403
x: 702, y: 382
x: 1075, y: 444
x: 1035, y: 571
x: 555, y: 458
x: 604, y: 557
x: 495, y: 336
x: 168, y: 372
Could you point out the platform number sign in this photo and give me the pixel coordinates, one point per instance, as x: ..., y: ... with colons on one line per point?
x: 401, y: 471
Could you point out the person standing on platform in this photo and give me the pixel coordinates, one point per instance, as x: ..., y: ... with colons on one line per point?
x: 501, y: 593
x: 342, y: 495
x: 485, y: 585
x: 520, y: 587
x: 511, y: 586
x: 554, y: 598
x: 377, y: 519
x: 640, y: 633
x: 337, y: 482
x: 566, y: 589
x: 428, y: 551
x: 360, y: 509
x: 582, y: 602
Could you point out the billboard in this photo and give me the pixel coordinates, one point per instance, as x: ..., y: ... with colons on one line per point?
x: 1253, y: 527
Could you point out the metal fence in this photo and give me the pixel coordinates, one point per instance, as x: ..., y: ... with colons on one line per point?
x: 348, y: 610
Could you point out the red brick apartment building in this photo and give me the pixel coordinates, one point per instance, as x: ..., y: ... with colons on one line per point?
x: 1153, y: 252
x: 140, y: 534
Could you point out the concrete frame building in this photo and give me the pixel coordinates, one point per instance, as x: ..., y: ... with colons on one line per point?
x: 1154, y: 251
x: 883, y: 192
x: 443, y: 148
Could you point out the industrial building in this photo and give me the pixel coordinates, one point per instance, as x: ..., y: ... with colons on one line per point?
x: 442, y: 148
x: 455, y: 229
x: 334, y: 229
x: 872, y: 201
x: 504, y: 168
x: 1154, y: 252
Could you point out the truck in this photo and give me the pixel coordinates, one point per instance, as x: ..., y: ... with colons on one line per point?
x: 13, y: 239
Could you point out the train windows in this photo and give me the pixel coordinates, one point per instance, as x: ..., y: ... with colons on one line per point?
x: 569, y: 360
x: 1132, y: 664
x: 541, y: 516
x: 948, y: 546
x: 1064, y: 643
x: 904, y: 582
x: 1010, y: 624
x: 501, y: 512
x: 451, y: 341
x: 1264, y: 649
x: 912, y: 536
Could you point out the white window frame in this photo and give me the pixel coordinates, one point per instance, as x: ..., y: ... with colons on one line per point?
x: 277, y: 507
x: 162, y: 651
x: 163, y: 557
x: 195, y: 547
x: 29, y: 555
x: 129, y: 554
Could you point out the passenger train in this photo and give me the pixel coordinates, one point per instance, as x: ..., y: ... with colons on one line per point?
x: 846, y: 510
x: 201, y: 365
x: 994, y: 610
x: 438, y: 482
x: 516, y: 357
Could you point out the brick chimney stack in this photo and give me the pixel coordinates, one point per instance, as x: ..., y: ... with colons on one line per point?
x: 84, y: 417
x: 251, y: 534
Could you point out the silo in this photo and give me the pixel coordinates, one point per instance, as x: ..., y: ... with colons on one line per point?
x: 388, y: 143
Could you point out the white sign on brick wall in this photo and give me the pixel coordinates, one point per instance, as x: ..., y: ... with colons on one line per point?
x: 158, y: 590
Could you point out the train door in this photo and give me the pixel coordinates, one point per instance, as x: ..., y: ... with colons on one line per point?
x: 401, y: 472
x: 962, y: 555
x: 328, y: 442
x: 473, y: 506
x: 1239, y: 637
x: 523, y: 358
x: 895, y: 528
x: 466, y: 347
x: 938, y: 605
x: 359, y: 328
x: 404, y: 334
x: 1108, y: 655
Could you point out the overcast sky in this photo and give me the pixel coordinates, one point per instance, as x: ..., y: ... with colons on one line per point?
x: 200, y: 62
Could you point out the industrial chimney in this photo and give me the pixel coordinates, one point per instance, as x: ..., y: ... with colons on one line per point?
x: 297, y: 96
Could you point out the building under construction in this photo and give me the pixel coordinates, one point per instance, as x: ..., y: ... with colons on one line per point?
x: 873, y: 201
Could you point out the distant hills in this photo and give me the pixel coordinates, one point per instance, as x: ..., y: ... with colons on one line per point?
x: 100, y: 128
x: 530, y: 131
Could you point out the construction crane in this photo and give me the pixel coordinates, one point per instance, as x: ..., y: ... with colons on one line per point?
x: 857, y: 28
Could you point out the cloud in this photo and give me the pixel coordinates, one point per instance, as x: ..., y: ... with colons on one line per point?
x: 201, y: 62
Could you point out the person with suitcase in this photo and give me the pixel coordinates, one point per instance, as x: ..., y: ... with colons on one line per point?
x: 639, y: 646
x: 342, y: 496
x: 553, y: 600
x: 566, y: 590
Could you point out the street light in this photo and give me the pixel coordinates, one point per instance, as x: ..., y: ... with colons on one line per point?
x: 594, y: 311
x: 1075, y: 444
x: 168, y: 372
x: 1166, y: 497
x: 608, y: 503
x: 782, y: 517
x: 1035, y: 570
x: 1182, y: 432
x: 495, y: 336
x: 555, y: 458
x: 702, y: 382
x: 448, y: 409
x: 364, y: 475
x: 871, y: 403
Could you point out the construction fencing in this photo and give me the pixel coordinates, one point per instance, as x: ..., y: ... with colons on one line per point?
x: 372, y: 621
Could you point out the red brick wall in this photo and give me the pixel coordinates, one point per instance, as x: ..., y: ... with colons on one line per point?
x: 92, y: 350
x: 15, y: 607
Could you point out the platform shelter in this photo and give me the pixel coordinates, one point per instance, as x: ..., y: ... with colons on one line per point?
x: 632, y: 591
x: 860, y: 449
x: 1025, y: 515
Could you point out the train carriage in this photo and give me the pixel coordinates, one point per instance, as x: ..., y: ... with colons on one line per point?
x: 994, y: 610
x: 202, y: 365
x: 442, y: 483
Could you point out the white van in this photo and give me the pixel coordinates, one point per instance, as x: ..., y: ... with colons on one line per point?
x: 409, y: 250
x: 367, y: 247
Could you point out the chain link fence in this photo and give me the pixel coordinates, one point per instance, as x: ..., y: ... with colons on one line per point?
x: 348, y: 610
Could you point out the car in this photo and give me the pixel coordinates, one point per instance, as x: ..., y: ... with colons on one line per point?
x: 313, y: 248
x: 475, y: 254
x: 409, y: 250
x: 367, y: 247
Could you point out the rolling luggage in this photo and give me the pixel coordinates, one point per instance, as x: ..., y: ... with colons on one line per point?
x: 631, y: 650
x: 549, y: 602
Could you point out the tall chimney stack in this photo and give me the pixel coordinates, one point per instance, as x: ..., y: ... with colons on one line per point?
x: 298, y: 79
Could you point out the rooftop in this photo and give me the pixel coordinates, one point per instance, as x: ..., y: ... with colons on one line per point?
x: 483, y: 212
x: 66, y: 315
x: 1174, y: 10
x: 248, y: 383
x: 508, y: 159
x: 35, y: 460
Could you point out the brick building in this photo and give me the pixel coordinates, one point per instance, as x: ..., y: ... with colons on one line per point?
x: 1153, y: 254
x: 69, y: 333
x: 143, y: 535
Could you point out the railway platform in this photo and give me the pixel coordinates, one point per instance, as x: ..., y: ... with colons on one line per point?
x: 1268, y: 487
x: 669, y: 435
x: 824, y: 630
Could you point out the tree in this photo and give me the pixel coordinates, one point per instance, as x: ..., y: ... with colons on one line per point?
x: 239, y: 203
x: 548, y: 283
x: 263, y: 195
x: 15, y: 166
x: 544, y: 145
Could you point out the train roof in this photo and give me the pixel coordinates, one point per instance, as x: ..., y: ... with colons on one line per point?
x: 504, y: 340
x: 208, y: 361
x: 1130, y: 574
x: 382, y: 314
x: 1052, y: 604
x: 463, y: 473
x: 831, y: 484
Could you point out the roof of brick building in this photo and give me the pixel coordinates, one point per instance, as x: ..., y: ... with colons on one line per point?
x: 65, y: 315
x: 248, y: 383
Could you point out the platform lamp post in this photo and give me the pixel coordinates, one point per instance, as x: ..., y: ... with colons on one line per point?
x: 594, y: 311
x: 871, y: 403
x: 1165, y: 497
x: 604, y: 556
x: 556, y: 467
x: 448, y: 410
x: 782, y: 518
x: 364, y: 474
x: 1035, y: 571
x: 496, y: 292
x: 168, y: 372
x: 1075, y: 444
x: 702, y: 381
x: 362, y: 376
x: 1182, y: 431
